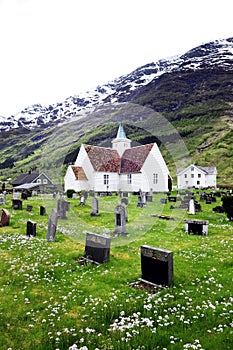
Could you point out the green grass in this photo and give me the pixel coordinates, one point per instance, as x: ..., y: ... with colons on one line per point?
x: 49, y: 301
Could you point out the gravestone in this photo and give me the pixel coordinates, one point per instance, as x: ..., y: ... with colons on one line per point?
x: 82, y: 200
x: 29, y: 207
x: 17, y: 204
x: 52, y: 226
x: 191, y: 207
x: 95, y: 207
x: 120, y: 219
x: 31, y: 229
x: 24, y: 195
x: 2, y: 199
x: 61, y: 208
x: 16, y: 195
x: 42, y: 210
x: 196, y: 227
x: 163, y: 200
x: 97, y: 248
x: 5, y: 218
x: 74, y: 195
x: 156, y: 265
x: 149, y: 197
x: 171, y: 198
x: 124, y: 201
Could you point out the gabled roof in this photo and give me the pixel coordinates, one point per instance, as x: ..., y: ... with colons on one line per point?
x: 25, y: 178
x: 103, y: 159
x: 79, y: 173
x: 211, y: 170
x: 134, y: 158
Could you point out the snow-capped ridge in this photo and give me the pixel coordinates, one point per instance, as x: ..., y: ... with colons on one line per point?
x: 213, y: 54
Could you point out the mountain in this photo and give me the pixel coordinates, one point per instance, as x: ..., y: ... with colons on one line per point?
x: 212, y: 57
x: 193, y: 92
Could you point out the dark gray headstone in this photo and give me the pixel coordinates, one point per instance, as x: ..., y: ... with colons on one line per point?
x: 120, y: 219
x: 156, y: 265
x: 29, y: 207
x: 52, y: 226
x: 97, y: 248
x: 149, y: 198
x: 31, y: 229
x: 95, y: 207
x: 17, y: 204
x: 163, y: 200
x: 61, y: 208
x: 124, y: 201
x: 42, y: 210
x: 196, y: 227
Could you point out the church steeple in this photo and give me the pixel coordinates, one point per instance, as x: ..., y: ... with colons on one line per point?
x: 121, y: 142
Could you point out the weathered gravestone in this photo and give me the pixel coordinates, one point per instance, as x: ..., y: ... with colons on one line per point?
x: 61, y: 208
x: 17, y: 204
x: 156, y: 265
x: 95, y: 207
x: 42, y: 210
x: 149, y: 197
x: 52, y: 226
x: 29, y: 207
x: 124, y: 201
x: 31, y: 229
x: 2, y: 199
x: 5, y: 218
x: 97, y: 248
x: 191, y: 207
x: 120, y: 219
x: 196, y: 227
x: 163, y: 200
x: 24, y: 195
x: 16, y: 195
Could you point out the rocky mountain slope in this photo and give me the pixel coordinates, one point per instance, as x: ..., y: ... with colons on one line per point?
x: 193, y: 92
x: 211, y: 58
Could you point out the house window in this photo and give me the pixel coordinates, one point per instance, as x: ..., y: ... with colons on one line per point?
x: 38, y: 181
x: 129, y: 179
x: 192, y: 175
x: 106, y: 179
x: 155, y: 178
x: 45, y: 181
x: 199, y: 175
x: 185, y: 176
x: 198, y: 182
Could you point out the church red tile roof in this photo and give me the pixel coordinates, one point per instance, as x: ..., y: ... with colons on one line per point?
x: 79, y: 173
x: 103, y: 159
x: 108, y: 160
x: 134, y: 158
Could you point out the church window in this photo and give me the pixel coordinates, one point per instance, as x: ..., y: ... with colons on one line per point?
x: 129, y: 179
x: 106, y: 179
x: 155, y: 178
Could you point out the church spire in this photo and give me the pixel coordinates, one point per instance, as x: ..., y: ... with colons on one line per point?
x: 121, y: 132
x: 121, y: 142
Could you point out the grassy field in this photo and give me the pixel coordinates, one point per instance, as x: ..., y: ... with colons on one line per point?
x: 49, y: 301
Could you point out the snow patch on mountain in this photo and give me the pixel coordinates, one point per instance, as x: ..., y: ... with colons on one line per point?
x: 212, y: 54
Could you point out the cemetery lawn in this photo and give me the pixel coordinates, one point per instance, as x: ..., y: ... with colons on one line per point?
x: 49, y: 301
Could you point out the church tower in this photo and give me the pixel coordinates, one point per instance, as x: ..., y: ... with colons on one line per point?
x: 121, y: 143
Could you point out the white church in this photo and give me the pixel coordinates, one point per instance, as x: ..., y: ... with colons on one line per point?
x: 120, y: 168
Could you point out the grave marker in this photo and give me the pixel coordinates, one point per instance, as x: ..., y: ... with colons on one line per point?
x: 42, y: 210
x: 31, y: 229
x: 95, y: 207
x: 17, y: 204
x: 120, y: 219
x: 156, y: 265
x: 196, y: 227
x: 52, y: 226
x: 97, y: 248
x: 5, y: 218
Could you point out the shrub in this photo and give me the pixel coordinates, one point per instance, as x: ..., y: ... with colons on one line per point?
x: 69, y: 193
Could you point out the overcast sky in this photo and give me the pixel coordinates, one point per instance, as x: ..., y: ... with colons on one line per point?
x: 52, y: 49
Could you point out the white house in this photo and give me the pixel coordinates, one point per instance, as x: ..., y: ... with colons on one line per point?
x: 196, y: 176
x: 120, y: 168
